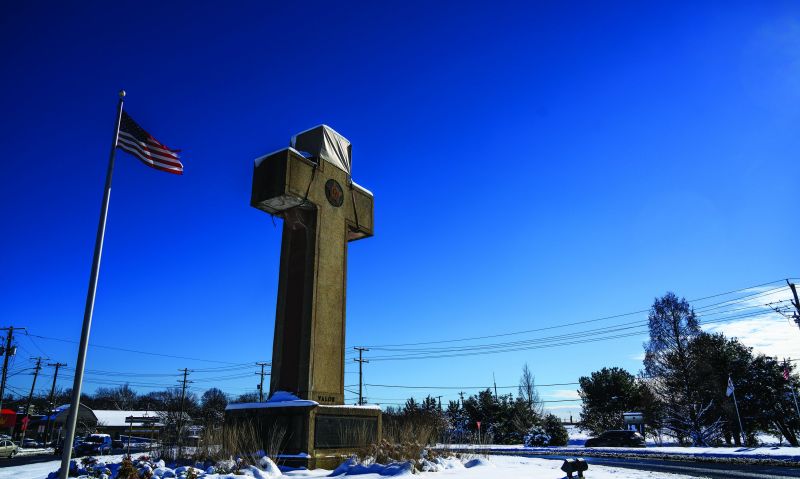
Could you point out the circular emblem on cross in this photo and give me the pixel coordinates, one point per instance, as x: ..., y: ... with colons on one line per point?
x: 334, y: 193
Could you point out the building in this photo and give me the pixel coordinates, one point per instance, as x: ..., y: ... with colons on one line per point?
x: 100, y: 421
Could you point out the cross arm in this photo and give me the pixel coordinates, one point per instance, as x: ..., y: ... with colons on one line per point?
x: 286, y: 179
x: 280, y: 181
x: 360, y: 223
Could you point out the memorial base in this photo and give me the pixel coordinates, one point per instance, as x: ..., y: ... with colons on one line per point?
x: 310, y: 435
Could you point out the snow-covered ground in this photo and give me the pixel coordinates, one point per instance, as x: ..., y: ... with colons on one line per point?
x: 782, y: 453
x: 34, y: 451
x: 496, y: 467
x: 577, y: 438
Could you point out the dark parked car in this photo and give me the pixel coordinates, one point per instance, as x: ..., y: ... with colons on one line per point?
x: 28, y: 442
x: 616, y: 439
x: 93, y: 445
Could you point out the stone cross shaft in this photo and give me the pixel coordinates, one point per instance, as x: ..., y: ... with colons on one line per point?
x: 322, y: 211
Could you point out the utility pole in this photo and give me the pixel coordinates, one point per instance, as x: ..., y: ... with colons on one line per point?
x: 30, y: 398
x: 495, y: 386
x: 7, y: 352
x: 796, y: 303
x: 261, y: 384
x: 440, y: 402
x: 51, y: 401
x: 461, y: 395
x: 360, y: 362
x: 184, y: 382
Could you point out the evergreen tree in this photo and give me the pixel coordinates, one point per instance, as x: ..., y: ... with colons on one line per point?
x: 606, y: 395
x: 768, y: 395
x: 715, y: 358
x: 554, y: 428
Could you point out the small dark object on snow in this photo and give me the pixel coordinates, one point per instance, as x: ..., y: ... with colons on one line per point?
x: 574, y: 465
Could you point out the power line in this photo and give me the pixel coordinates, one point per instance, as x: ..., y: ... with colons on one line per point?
x: 576, y: 323
x: 598, y: 334
x: 27, y: 335
x: 113, y: 348
x: 546, y: 401
x: 398, y: 386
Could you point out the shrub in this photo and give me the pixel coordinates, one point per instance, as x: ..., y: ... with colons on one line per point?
x: 556, y: 430
x: 127, y: 470
x: 537, y: 437
x: 549, y: 433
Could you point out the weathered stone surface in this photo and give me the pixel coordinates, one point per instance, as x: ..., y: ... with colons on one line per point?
x: 308, y: 349
x: 322, y: 211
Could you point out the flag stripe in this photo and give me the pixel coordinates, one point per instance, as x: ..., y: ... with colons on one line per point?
x: 133, y: 139
x: 149, y: 154
x: 146, y: 151
x: 152, y: 162
x: 150, y: 143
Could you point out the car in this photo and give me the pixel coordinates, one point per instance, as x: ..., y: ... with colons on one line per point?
x: 622, y: 438
x: 94, y: 444
x: 30, y: 443
x: 8, y: 449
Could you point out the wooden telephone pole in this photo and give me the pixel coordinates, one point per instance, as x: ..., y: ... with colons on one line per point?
x: 8, y: 351
x: 184, y: 384
x: 51, y: 401
x: 27, y: 417
x: 795, y: 303
x: 261, y: 384
x: 360, y: 362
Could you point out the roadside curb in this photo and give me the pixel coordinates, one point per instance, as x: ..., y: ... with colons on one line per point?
x: 784, y: 461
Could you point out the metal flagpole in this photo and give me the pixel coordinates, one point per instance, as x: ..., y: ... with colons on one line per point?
x: 87, y: 314
x: 736, y: 405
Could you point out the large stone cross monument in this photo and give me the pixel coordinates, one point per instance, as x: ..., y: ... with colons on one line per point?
x: 310, y: 186
x: 322, y: 210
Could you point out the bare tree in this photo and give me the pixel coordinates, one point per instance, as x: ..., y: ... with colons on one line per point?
x: 121, y: 398
x: 528, y: 392
x: 212, y: 408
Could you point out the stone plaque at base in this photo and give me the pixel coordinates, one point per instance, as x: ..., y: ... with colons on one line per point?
x: 310, y: 435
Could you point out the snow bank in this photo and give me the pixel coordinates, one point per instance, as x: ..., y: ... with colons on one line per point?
x: 503, y: 468
x: 478, y: 461
x: 351, y: 467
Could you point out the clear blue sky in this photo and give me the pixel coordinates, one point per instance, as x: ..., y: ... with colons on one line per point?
x: 533, y: 164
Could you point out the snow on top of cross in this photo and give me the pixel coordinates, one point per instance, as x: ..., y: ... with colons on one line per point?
x: 278, y: 399
x: 261, y: 158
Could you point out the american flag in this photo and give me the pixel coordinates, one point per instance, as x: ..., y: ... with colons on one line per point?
x: 141, y: 144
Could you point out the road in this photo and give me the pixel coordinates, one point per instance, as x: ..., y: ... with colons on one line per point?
x: 37, y: 458
x: 696, y: 469
x: 24, y: 460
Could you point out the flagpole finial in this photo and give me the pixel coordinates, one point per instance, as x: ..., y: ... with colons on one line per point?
x: 122, y: 93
